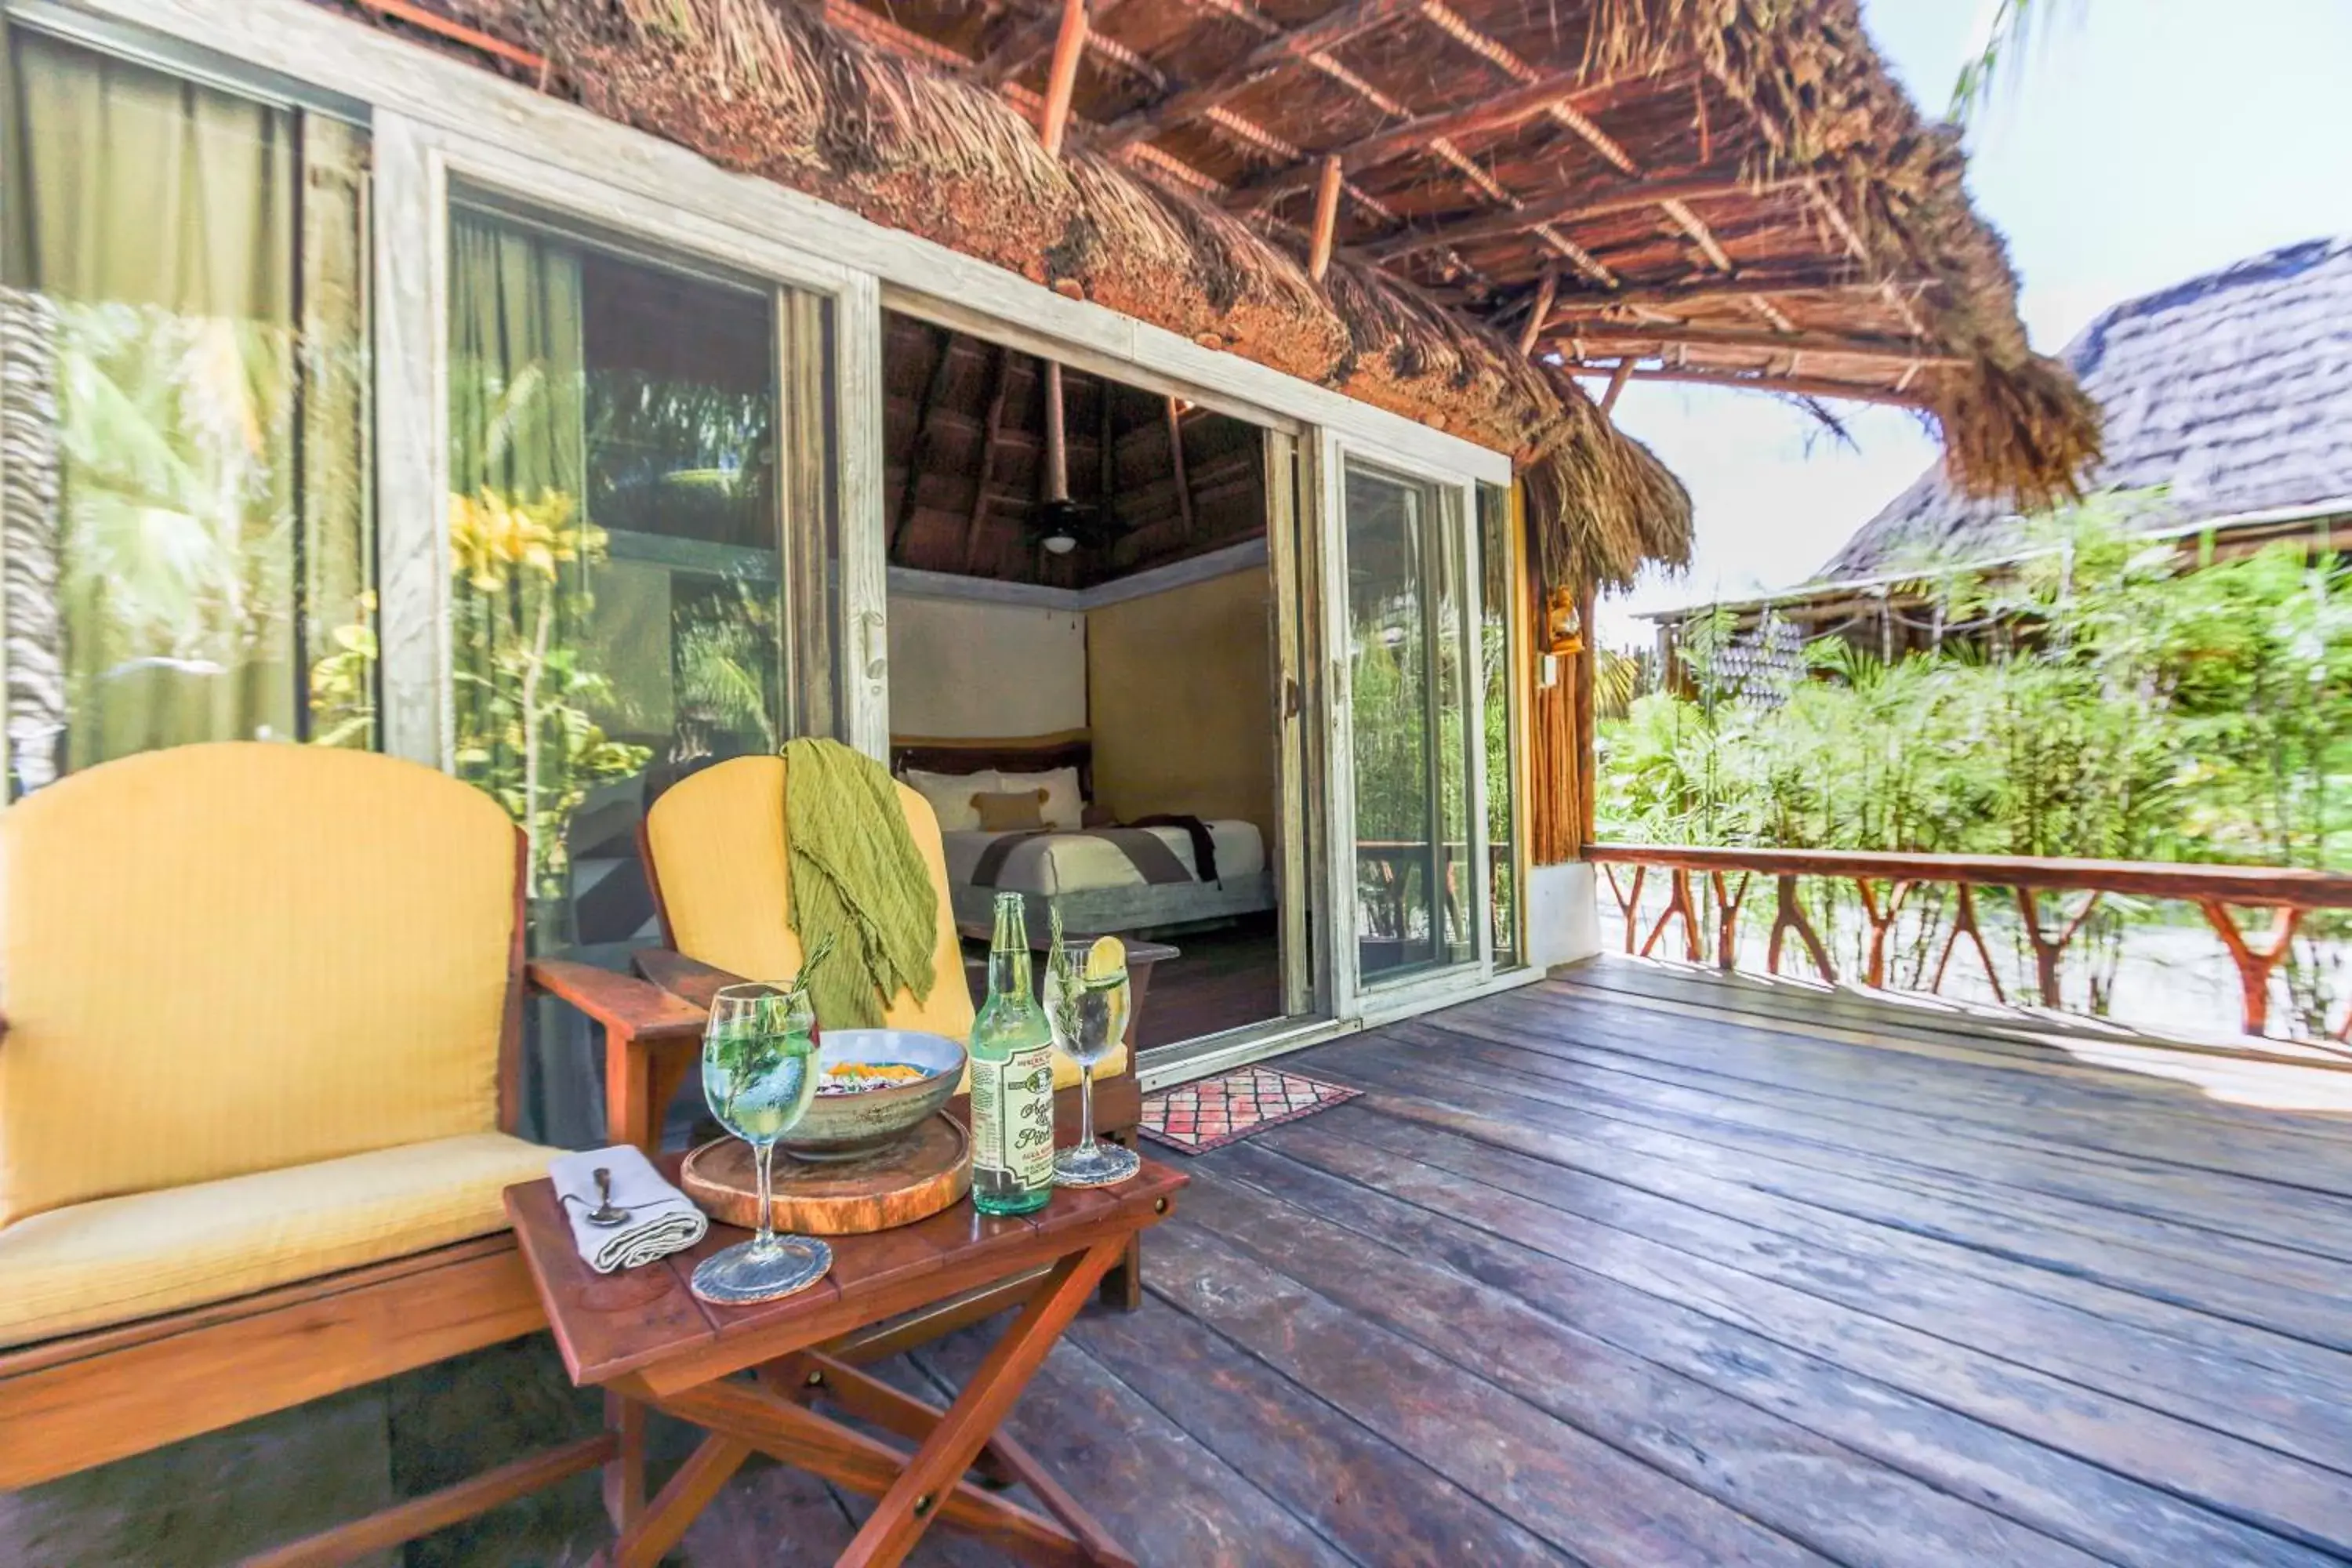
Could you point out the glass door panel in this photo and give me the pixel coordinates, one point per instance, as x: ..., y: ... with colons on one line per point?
x: 1409, y: 671
x: 186, y: 407
x: 1498, y: 665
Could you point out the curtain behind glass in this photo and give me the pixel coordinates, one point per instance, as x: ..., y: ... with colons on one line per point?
x: 519, y: 540
x: 152, y: 220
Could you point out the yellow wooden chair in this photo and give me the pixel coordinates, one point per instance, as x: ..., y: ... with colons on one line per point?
x: 716, y: 858
x: 259, y: 1083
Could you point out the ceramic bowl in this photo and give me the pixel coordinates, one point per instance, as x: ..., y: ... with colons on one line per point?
x: 846, y: 1126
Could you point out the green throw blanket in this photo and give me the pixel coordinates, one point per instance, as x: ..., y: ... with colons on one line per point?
x: 856, y: 876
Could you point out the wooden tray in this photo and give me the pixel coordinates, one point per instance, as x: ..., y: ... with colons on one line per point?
x: 913, y: 1179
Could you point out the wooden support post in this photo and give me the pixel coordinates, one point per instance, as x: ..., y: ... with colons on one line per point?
x: 1588, y: 765
x: 2253, y: 965
x: 1327, y: 218
x: 1541, y: 312
x: 1617, y: 380
x: 1176, y: 465
x: 1062, y: 75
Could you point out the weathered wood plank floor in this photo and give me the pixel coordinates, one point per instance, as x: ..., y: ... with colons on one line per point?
x: 1643, y: 1267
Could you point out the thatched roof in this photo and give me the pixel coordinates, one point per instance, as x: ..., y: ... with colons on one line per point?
x: 1727, y: 190
x: 2230, y: 393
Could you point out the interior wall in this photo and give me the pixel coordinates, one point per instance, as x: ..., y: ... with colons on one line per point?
x: 1182, y: 702
x: 966, y: 670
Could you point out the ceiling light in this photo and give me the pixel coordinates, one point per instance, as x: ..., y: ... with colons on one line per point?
x: 1060, y: 544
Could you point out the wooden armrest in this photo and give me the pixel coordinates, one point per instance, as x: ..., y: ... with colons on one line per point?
x: 628, y: 1007
x: 690, y: 980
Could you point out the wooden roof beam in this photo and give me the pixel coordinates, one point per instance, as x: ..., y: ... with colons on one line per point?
x: 1327, y: 221
x: 1497, y: 113
x: 1795, y: 385
x: 1294, y: 46
x: 1062, y: 75
x: 1538, y: 312
x: 1711, y: 289
x: 1896, y: 351
x: 1566, y: 208
x: 1000, y: 384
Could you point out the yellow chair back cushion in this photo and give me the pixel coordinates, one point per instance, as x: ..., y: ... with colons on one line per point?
x: 229, y: 958
x: 716, y: 842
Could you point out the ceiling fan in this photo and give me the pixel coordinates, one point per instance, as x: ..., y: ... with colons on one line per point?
x: 1057, y: 524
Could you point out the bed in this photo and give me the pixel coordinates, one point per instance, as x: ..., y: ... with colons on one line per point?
x: 1100, y: 883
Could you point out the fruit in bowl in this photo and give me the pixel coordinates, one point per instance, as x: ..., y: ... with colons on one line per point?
x: 873, y: 1086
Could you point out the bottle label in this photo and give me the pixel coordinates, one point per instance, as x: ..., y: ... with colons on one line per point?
x: 1013, y: 1115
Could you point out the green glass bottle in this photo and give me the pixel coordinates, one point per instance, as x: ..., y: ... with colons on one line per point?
x: 1012, y: 1079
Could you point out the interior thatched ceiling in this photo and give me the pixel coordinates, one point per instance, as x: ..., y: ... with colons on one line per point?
x: 965, y: 448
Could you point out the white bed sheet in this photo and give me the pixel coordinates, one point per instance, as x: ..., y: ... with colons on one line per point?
x: 1073, y: 863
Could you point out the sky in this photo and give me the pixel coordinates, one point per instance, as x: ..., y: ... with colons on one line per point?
x: 2145, y: 141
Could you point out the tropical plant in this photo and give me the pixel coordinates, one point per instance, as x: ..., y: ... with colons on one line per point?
x: 524, y: 688
x: 2115, y: 699
x: 2008, y: 32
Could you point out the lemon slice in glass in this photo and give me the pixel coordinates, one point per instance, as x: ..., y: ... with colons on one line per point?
x: 1105, y: 958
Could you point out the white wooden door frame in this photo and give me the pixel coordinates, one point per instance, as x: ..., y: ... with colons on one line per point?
x: 418, y: 167
x: 1456, y: 490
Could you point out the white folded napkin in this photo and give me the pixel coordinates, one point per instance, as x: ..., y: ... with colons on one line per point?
x: 662, y: 1220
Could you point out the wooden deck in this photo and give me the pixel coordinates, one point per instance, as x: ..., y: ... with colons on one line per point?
x: 1645, y: 1268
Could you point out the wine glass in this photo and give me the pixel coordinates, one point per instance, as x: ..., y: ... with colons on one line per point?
x: 1086, y: 1002
x: 759, y: 1074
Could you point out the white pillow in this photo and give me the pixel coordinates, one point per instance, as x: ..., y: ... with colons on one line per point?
x: 1063, y: 806
x: 950, y: 796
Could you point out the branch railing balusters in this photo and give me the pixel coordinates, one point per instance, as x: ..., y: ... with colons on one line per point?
x: 1726, y: 919
x: 1629, y: 904
x: 1882, y: 925
x: 1679, y: 905
x: 2254, y: 965
x: 2288, y: 895
x: 1788, y: 915
x: 1963, y: 923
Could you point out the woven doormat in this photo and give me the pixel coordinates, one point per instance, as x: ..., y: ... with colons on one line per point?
x: 1210, y: 1112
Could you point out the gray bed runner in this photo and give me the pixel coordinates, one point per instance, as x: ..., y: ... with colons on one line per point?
x: 1146, y: 851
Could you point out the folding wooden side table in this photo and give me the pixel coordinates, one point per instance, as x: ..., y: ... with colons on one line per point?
x: 642, y: 1336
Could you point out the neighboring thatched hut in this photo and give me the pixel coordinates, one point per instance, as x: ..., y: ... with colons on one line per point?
x: 2230, y: 394
x: 1445, y: 210
x: 2228, y: 407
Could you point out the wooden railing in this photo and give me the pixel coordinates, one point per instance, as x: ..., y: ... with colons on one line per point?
x: 1885, y: 883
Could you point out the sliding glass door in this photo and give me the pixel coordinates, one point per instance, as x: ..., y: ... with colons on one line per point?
x: 1415, y: 764
x: 186, y: 541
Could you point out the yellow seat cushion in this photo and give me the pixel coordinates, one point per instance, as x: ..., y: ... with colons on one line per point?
x: 717, y: 840
x: 118, y: 1259
x: 228, y: 958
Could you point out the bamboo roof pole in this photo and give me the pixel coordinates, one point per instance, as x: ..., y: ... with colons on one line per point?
x: 1062, y: 80
x: 1896, y: 351
x: 1175, y: 417
x: 1540, y: 312
x: 1799, y: 385
x: 1565, y: 209
x: 1289, y: 47
x: 1617, y: 380
x: 991, y: 431
x: 1327, y: 220
x: 918, y: 449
